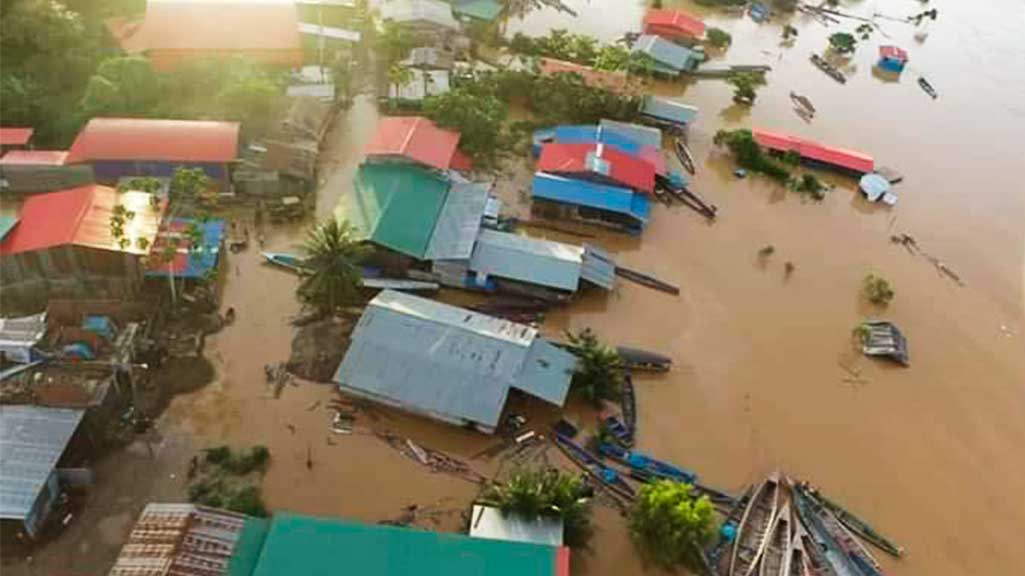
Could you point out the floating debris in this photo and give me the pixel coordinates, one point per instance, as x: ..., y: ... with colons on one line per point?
x: 646, y: 280
x: 927, y: 87
x: 435, y: 460
x: 884, y: 340
x: 830, y: 70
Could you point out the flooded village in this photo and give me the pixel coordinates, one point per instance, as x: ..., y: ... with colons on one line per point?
x: 489, y: 286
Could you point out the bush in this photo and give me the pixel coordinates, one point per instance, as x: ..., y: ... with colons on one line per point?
x: 533, y: 493
x: 877, y: 290
x: 750, y: 155
x: 843, y: 43
x: 218, y: 454
x: 599, y: 372
x: 247, y: 501
x: 255, y: 458
x: 670, y: 525
x: 718, y: 38
x: 812, y: 186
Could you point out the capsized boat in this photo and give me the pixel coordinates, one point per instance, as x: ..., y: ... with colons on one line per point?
x: 774, y: 558
x: 753, y: 531
x: 645, y: 463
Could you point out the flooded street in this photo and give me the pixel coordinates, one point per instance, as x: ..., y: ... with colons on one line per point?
x: 931, y: 454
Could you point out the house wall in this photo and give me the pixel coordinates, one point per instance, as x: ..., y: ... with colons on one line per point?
x: 69, y: 271
x: 43, y: 505
x: 110, y: 171
x: 33, y: 179
x: 428, y: 413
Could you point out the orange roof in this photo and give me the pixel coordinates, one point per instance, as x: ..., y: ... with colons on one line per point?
x: 156, y: 140
x: 416, y: 138
x: 81, y: 216
x: 34, y: 158
x: 614, y: 81
x: 10, y: 136
x: 263, y: 30
x: 672, y: 24
x: 850, y: 159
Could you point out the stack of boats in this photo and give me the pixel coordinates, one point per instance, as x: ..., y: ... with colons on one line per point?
x: 784, y: 528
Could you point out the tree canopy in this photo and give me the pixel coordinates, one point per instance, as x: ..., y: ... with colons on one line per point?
x: 843, y: 42
x: 332, y: 269
x: 537, y: 492
x: 599, y: 372
x: 750, y: 155
x: 670, y: 525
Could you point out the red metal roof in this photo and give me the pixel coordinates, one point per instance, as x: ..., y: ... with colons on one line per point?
x: 155, y: 140
x: 623, y: 168
x: 893, y: 53
x: 34, y: 158
x: 81, y: 216
x: 673, y: 24
x: 11, y: 136
x: 810, y: 150
x: 613, y: 81
x: 416, y: 138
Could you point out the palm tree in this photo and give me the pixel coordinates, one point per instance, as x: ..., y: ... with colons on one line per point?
x: 599, y: 372
x: 332, y: 274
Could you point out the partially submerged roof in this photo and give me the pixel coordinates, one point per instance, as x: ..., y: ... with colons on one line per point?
x: 448, y: 362
x: 595, y: 134
x: 188, y: 261
x: 486, y: 10
x: 493, y: 523
x: 458, y: 223
x: 891, y: 52
x: 673, y: 24
x: 668, y: 56
x: 314, y: 546
x: 598, y: 161
x: 429, y: 58
x: 15, y: 136
x: 615, y: 81
x: 81, y: 217
x: 155, y: 140
x: 190, y: 539
x: 415, y: 138
x: 23, y: 330
x: 670, y: 111
x: 525, y: 259
x: 809, y: 150
x: 32, y: 440
x: 646, y: 135
x: 396, y: 206
x: 584, y: 193
x: 597, y: 267
x: 267, y: 31
x: 431, y: 12
x: 34, y: 158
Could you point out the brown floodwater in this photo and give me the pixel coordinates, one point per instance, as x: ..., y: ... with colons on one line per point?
x: 931, y: 454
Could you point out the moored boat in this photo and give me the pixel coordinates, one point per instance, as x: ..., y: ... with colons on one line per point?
x: 859, y: 526
x: 840, y: 549
x: 753, y: 531
x: 643, y: 360
x: 605, y: 475
x: 683, y: 154
x: 645, y: 463
x: 927, y: 87
x: 628, y: 404
x: 285, y: 260
x: 803, y: 102
x: 795, y: 563
x: 774, y: 558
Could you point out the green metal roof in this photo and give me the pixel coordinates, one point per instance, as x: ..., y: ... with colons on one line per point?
x: 328, y: 547
x: 248, y: 547
x: 6, y: 224
x: 480, y: 9
x: 395, y: 205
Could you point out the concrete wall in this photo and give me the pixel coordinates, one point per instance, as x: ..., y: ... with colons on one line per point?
x: 68, y: 271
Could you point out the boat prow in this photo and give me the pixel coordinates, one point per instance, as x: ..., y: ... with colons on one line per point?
x: 753, y: 530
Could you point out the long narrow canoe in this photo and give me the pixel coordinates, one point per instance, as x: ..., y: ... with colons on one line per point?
x: 683, y: 154
x: 857, y: 553
x: 753, y: 533
x: 839, y: 549
x: 645, y: 463
x: 717, y: 558
x: 774, y: 559
x: 796, y: 561
x: 859, y: 526
x: 590, y: 463
x: 814, y: 555
x: 285, y: 260
x: 628, y: 403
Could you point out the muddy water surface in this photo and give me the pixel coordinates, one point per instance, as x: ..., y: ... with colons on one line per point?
x: 930, y: 454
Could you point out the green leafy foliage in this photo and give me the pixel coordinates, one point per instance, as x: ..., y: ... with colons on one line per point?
x: 718, y: 38
x: 139, y: 184
x: 843, y: 42
x: 332, y: 274
x: 599, y: 372
x: 789, y: 32
x: 188, y: 186
x: 745, y: 87
x: 224, y: 479
x: 532, y: 493
x: 877, y: 290
x: 750, y: 155
x: 476, y: 112
x: 122, y: 86
x: 810, y: 185
x: 393, y: 43
x: 670, y: 525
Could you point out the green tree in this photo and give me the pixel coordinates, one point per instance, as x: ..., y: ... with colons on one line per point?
x: 394, y: 43
x: 332, y: 273
x: 122, y: 86
x: 476, y: 112
x: 718, y: 38
x: 789, y: 32
x: 670, y: 525
x: 750, y: 155
x: 745, y: 87
x: 531, y: 493
x: 251, y: 99
x: 877, y: 290
x: 843, y: 43
x: 399, y: 76
x: 188, y: 188
x: 812, y: 186
x: 599, y: 372
x: 612, y: 57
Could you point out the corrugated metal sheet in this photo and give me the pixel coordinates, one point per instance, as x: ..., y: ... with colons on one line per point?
x: 459, y: 222
x: 429, y: 58
x: 590, y: 194
x: 19, y: 335
x: 81, y: 216
x: 666, y: 53
x: 809, y: 150
x: 492, y: 523
x: 895, y: 53
x: 34, y: 158
x: 7, y: 223
x: 525, y: 259
x: 182, y: 540
x: 673, y: 23
x: 598, y: 267
x: 155, y: 140
x: 431, y: 12
x: 415, y: 138
x: 646, y: 135
x: 669, y: 110
x: 547, y: 371
x: 486, y: 10
x: 605, y: 163
x: 15, y: 136
x: 595, y: 134
x: 32, y: 439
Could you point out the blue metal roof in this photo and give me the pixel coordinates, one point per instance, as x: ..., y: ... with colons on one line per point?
x: 531, y: 260
x: 671, y: 56
x: 586, y: 193
x: 669, y: 110
x: 586, y: 134
x: 458, y: 223
x: 547, y: 371
x: 646, y: 135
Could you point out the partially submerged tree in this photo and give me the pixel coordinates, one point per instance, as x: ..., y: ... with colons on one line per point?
x: 123, y: 86
x: 538, y: 492
x: 749, y: 154
x: 670, y: 524
x: 877, y: 290
x: 394, y: 43
x: 745, y: 87
x: 812, y: 186
x: 843, y: 43
x: 599, y: 372
x: 718, y: 38
x: 476, y: 112
x: 332, y: 275
x: 789, y: 32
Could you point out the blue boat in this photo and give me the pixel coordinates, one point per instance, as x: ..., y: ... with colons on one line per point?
x: 607, y: 475
x: 646, y: 464
x: 285, y: 260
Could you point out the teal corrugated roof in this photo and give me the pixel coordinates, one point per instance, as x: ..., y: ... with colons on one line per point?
x: 669, y: 110
x: 248, y: 547
x: 395, y: 205
x: 673, y: 57
x: 329, y: 547
x: 6, y: 224
x: 479, y: 9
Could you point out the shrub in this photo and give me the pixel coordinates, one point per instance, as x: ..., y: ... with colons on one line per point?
x: 599, y: 372
x: 670, y: 525
x: 718, y: 38
x: 247, y: 501
x: 877, y: 290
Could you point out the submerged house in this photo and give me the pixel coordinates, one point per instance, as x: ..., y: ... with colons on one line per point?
x: 598, y: 162
x: 669, y: 113
x: 33, y: 440
x: 673, y: 24
x: 645, y: 135
x: 492, y: 523
x: 892, y: 58
x: 845, y: 161
x: 555, y: 197
x: 595, y: 134
x: 416, y: 140
x: 190, y: 262
x: 449, y: 363
x: 669, y: 58
x: 126, y: 147
x: 63, y: 244
x: 176, y: 32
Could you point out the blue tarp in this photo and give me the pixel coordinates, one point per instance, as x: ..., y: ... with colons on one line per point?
x: 101, y: 325
x: 585, y: 193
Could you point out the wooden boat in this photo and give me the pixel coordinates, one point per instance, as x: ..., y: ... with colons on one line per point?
x: 840, y: 549
x: 683, y: 154
x: 619, y: 431
x: 774, y: 559
x: 285, y: 260
x: 927, y: 87
x: 605, y: 475
x: 628, y: 403
x: 828, y: 68
x: 753, y: 531
x: 859, y: 526
x: 716, y: 558
x: 814, y: 558
x: 795, y: 562
x: 803, y: 102
x: 400, y: 284
x: 645, y: 463
x: 639, y: 360
x: 646, y: 280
